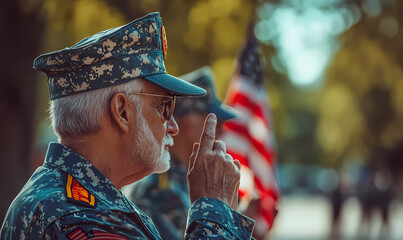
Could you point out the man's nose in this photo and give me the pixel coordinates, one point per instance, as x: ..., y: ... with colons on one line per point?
x: 172, y: 127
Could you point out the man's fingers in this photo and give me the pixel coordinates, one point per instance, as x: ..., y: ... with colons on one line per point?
x: 208, y: 135
x: 220, y: 145
x: 237, y: 163
x: 193, y: 156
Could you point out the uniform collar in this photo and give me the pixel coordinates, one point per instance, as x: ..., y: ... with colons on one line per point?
x: 65, y: 159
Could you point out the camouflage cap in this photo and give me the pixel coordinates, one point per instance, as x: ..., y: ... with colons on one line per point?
x: 111, y: 57
x: 210, y: 103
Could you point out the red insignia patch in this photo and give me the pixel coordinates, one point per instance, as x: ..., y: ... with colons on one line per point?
x: 164, y: 42
x: 77, y: 192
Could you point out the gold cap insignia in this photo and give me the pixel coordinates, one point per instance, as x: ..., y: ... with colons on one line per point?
x: 164, y: 42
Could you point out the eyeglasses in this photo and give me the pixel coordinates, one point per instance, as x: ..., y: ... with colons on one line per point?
x: 168, y: 103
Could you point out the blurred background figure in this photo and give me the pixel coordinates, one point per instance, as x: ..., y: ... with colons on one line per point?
x: 375, y: 193
x: 384, y: 195
x: 337, y: 188
x: 165, y: 197
x: 365, y: 195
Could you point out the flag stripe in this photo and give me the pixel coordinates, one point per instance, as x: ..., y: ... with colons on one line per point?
x: 260, y: 166
x: 255, y: 126
x: 244, y: 132
x: 77, y: 234
x: 241, y: 85
x: 249, y: 137
x: 107, y: 235
x: 268, y: 192
x: 243, y: 146
x: 245, y: 100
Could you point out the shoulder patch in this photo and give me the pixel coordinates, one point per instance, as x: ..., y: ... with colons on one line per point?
x: 77, y: 193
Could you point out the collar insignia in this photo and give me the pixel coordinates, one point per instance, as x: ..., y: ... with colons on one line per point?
x: 77, y: 193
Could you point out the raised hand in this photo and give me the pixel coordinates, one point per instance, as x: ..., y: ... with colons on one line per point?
x: 212, y: 172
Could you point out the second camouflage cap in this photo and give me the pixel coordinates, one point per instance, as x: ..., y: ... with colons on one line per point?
x: 209, y: 103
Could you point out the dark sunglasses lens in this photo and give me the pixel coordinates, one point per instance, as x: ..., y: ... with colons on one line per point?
x: 167, y: 107
x: 172, y: 105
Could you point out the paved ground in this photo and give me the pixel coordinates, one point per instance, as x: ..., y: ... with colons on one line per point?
x: 308, y: 217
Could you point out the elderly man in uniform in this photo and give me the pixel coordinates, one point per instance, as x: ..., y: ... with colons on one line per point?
x: 165, y: 197
x: 112, y: 105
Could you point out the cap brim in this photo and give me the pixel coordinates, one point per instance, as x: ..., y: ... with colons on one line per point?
x: 175, y: 85
x: 224, y: 112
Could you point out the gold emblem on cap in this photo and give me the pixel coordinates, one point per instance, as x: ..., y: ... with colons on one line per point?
x: 164, y: 42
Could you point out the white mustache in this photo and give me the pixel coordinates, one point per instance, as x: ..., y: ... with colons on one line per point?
x: 168, y: 140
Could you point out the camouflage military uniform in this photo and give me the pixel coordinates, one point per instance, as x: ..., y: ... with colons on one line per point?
x: 68, y: 198
x: 165, y: 198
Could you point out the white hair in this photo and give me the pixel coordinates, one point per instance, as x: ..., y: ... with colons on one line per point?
x: 82, y: 113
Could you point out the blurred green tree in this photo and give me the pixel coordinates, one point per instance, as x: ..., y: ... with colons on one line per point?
x: 360, y: 109
x: 357, y: 112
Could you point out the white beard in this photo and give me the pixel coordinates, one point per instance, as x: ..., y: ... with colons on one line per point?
x: 155, y: 158
x: 165, y: 157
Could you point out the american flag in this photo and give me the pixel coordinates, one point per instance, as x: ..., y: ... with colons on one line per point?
x: 79, y: 234
x: 249, y: 137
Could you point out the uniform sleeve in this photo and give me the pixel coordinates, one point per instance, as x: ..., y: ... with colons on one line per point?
x: 95, y: 225
x: 212, y: 219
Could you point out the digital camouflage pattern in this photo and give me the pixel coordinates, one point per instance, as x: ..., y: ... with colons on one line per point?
x: 107, y: 58
x: 165, y: 198
x: 50, y: 206
x: 209, y: 218
x: 112, y: 57
x: 43, y: 210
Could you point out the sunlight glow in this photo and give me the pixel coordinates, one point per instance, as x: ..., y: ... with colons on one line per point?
x: 304, y: 34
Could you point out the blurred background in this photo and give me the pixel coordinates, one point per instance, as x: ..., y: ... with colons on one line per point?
x: 332, y: 71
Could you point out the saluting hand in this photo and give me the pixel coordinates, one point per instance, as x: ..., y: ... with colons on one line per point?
x: 212, y: 172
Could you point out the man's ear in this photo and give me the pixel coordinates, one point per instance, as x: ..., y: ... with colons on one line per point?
x: 121, y: 112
